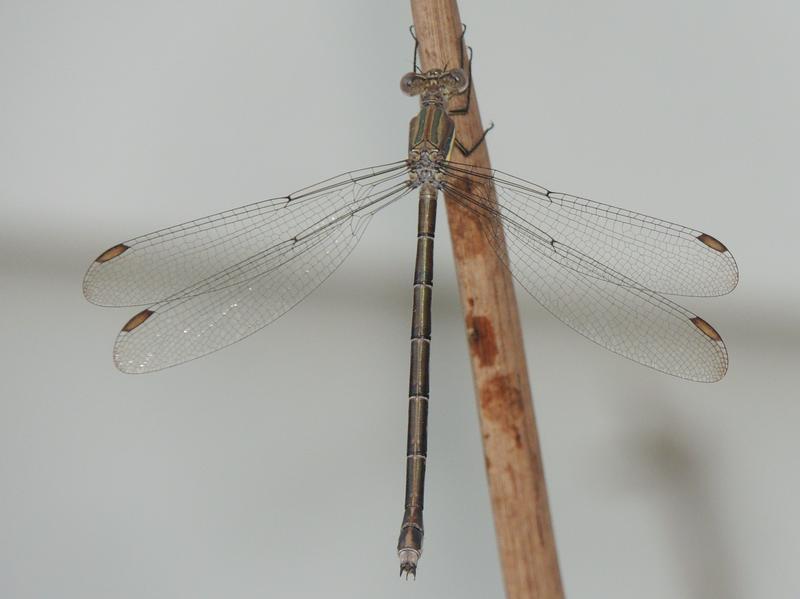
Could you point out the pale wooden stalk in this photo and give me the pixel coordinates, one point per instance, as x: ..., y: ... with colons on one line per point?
x: 510, y: 440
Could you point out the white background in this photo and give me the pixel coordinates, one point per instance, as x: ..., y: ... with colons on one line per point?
x: 275, y: 468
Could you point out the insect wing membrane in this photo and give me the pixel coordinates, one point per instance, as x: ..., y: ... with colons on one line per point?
x: 189, y: 327
x: 601, y: 303
x: 157, y: 266
x: 657, y: 254
x: 318, y: 226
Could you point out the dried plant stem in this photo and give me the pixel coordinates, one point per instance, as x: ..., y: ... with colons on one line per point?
x: 510, y: 440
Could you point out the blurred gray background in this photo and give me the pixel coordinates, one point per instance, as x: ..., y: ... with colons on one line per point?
x: 275, y: 468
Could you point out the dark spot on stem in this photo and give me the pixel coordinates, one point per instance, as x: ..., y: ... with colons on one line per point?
x: 482, y: 339
x: 502, y: 407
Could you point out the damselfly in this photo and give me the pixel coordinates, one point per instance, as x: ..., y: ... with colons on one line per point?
x: 602, y: 270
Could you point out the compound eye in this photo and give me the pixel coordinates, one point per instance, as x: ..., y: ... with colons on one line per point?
x: 459, y: 79
x: 408, y: 83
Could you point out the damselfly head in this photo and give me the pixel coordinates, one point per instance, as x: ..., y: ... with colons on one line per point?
x: 447, y: 83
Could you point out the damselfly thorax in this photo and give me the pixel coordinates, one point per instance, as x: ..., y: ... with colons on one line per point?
x: 432, y: 132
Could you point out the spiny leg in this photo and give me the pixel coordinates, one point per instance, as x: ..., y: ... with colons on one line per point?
x: 464, y: 109
x: 465, y: 151
x: 415, y: 67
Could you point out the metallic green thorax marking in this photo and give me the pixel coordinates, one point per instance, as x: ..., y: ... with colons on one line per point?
x: 432, y: 129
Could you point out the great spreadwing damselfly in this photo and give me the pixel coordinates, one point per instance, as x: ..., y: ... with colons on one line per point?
x: 603, y: 271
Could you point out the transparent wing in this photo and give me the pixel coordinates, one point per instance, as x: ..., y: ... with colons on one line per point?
x: 657, y: 254
x: 158, y: 265
x: 596, y: 300
x: 238, y: 301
